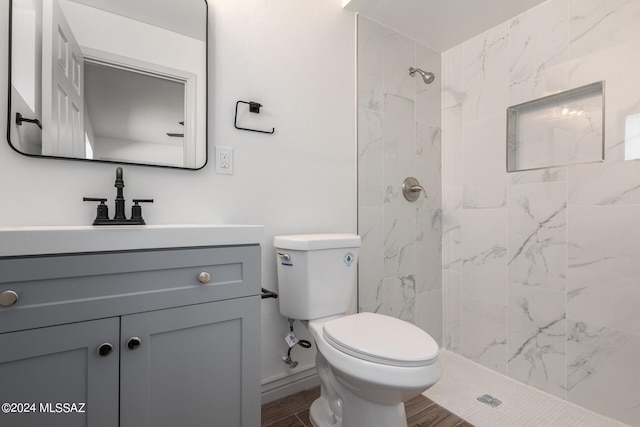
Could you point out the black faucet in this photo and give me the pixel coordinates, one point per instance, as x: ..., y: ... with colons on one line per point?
x: 102, y: 212
x: 119, y: 197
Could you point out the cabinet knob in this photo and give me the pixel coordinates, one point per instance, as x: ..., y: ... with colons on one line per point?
x: 105, y: 349
x: 133, y: 343
x: 204, y: 277
x: 8, y: 298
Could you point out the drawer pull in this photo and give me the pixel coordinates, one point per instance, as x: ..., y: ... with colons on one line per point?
x: 204, y: 277
x: 8, y: 298
x: 105, y: 349
x: 133, y: 343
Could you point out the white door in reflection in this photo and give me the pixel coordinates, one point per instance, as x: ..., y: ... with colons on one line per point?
x: 62, y: 86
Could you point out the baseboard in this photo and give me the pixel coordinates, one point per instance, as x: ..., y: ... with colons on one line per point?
x: 288, y: 383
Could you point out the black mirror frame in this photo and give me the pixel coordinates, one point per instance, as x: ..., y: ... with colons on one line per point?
x: 40, y: 156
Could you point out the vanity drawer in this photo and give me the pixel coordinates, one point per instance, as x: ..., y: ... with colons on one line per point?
x: 71, y: 288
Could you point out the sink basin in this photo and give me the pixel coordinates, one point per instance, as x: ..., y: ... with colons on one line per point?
x: 17, y: 241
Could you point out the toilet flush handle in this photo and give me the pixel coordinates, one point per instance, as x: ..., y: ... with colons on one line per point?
x: 285, y: 256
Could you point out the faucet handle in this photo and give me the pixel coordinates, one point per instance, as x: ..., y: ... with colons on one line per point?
x: 102, y: 211
x: 136, y: 210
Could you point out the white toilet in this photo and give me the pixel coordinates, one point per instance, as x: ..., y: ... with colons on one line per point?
x: 369, y: 364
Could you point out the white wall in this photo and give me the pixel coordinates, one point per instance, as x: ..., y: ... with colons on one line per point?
x: 27, y: 67
x: 297, y: 59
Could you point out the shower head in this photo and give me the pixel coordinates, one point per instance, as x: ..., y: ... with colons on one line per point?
x: 427, y: 76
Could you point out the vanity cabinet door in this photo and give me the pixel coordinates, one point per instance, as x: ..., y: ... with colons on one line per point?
x: 194, y: 366
x: 57, y: 374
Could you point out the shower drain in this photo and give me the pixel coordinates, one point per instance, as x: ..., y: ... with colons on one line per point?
x: 489, y: 400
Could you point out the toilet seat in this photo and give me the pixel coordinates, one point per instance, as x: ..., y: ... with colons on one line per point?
x: 381, y: 339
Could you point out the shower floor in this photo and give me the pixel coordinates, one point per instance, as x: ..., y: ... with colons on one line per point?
x: 463, y: 381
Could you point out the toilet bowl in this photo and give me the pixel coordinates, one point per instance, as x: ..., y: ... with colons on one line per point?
x: 369, y: 364
x: 373, y: 364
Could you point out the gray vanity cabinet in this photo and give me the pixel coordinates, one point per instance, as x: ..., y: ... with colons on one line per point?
x: 190, y: 366
x: 141, y: 338
x: 42, y: 369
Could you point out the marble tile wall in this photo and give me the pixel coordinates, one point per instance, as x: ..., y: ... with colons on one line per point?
x: 541, y: 269
x: 399, y: 135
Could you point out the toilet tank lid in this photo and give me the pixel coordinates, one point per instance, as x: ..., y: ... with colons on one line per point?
x: 310, y: 242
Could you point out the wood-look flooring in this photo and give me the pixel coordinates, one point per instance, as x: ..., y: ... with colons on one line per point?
x: 293, y: 411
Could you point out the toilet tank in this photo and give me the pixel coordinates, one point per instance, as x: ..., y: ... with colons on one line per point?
x: 316, y: 274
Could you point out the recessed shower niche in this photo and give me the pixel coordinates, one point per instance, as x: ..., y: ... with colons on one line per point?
x: 560, y: 129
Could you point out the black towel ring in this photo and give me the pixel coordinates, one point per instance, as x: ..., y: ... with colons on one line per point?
x: 254, y: 107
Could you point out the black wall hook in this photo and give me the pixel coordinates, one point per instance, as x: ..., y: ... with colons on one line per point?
x: 254, y: 107
x: 20, y: 119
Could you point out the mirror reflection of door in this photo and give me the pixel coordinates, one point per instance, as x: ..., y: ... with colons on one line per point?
x: 62, y: 86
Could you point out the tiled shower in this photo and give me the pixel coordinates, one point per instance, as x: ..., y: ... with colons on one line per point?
x: 399, y: 135
x: 538, y: 275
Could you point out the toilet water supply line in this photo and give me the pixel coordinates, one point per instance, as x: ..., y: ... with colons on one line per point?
x: 292, y: 341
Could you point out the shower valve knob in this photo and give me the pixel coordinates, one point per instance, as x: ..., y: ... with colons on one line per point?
x: 411, y: 189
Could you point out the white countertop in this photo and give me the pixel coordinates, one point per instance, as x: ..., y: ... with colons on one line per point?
x: 17, y: 241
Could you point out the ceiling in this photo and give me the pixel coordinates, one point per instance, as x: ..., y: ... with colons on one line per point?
x: 440, y: 24
x: 187, y: 17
